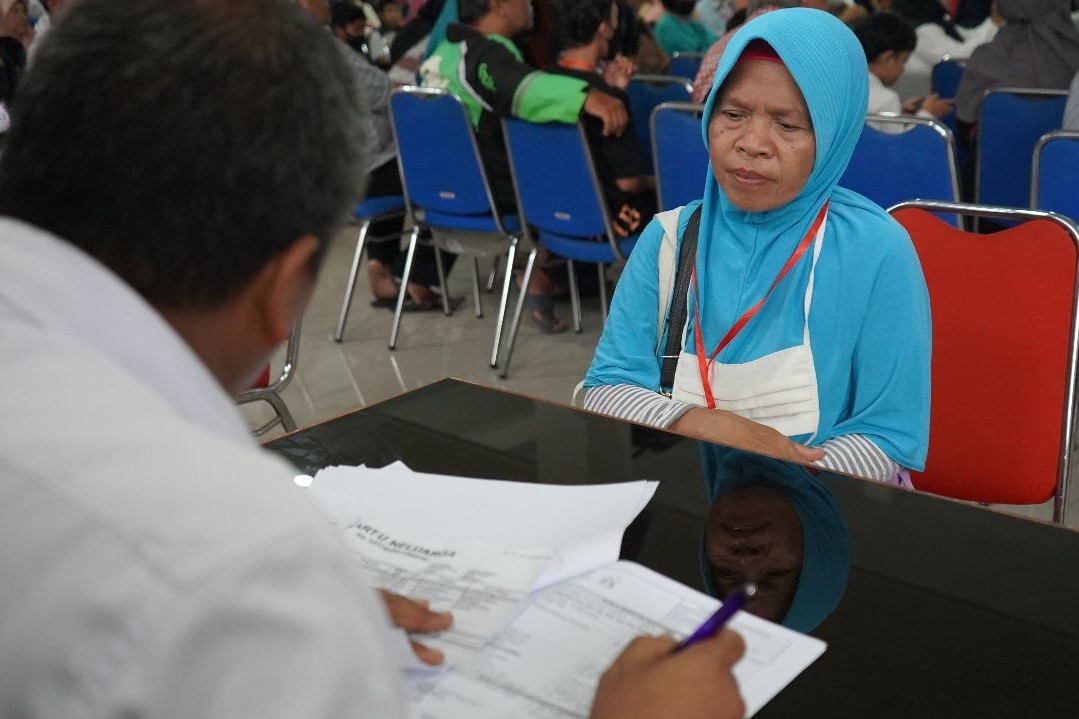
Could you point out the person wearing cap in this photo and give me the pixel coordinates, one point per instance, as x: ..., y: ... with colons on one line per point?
x: 807, y: 330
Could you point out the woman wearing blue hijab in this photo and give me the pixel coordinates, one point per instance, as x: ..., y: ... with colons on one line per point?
x: 807, y: 313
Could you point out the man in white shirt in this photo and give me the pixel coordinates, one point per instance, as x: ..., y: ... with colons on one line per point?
x: 172, y: 176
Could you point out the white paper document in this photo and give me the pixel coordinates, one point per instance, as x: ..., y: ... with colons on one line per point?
x: 547, y: 663
x: 483, y: 586
x: 582, y: 524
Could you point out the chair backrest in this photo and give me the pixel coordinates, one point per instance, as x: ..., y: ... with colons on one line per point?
x: 646, y: 92
x: 916, y: 163
x: 1003, y: 367
x: 1010, y: 123
x: 556, y: 183
x: 944, y: 81
x: 440, y: 163
x: 680, y: 157
x: 1055, y: 177
x: 686, y: 64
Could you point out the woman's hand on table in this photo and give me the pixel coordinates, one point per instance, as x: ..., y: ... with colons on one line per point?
x: 722, y: 427
x: 415, y: 615
x: 650, y: 680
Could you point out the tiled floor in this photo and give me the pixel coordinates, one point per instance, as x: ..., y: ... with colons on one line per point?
x: 335, y: 378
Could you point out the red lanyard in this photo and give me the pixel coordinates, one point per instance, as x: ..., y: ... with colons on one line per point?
x: 705, y: 363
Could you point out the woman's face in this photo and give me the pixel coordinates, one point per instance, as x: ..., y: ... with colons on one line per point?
x: 760, y: 137
x: 754, y: 535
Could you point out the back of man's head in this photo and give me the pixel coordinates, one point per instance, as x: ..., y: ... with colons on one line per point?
x: 578, y: 20
x: 883, y: 32
x: 185, y: 143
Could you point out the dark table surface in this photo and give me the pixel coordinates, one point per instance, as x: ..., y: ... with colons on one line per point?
x: 950, y: 610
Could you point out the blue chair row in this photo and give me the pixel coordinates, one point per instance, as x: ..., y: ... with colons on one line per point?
x: 900, y: 158
x: 647, y: 92
x: 686, y: 64
x: 1055, y: 174
x: 565, y: 210
x: 679, y: 155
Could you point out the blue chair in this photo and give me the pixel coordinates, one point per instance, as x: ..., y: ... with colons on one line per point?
x: 686, y: 64
x: 368, y: 212
x: 447, y: 193
x: 1011, y: 122
x: 1055, y: 181
x: 646, y: 93
x: 562, y: 201
x: 680, y: 157
x: 915, y: 160
x: 944, y: 81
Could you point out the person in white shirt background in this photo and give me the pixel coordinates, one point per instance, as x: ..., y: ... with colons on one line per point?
x: 172, y: 177
x: 939, y: 36
x: 888, y: 41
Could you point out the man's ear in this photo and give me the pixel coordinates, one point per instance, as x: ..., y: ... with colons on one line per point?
x: 283, y: 288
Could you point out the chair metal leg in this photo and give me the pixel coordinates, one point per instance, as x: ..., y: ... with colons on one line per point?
x: 350, y: 287
x: 476, y: 286
x: 515, y: 325
x: 574, y: 295
x: 442, y: 283
x: 492, y: 276
x: 403, y: 292
x: 279, y: 406
x: 602, y: 292
x: 503, y: 301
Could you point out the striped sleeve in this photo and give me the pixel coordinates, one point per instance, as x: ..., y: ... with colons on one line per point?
x: 635, y: 404
x: 855, y: 454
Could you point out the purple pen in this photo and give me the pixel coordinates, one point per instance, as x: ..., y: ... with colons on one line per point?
x: 714, y: 623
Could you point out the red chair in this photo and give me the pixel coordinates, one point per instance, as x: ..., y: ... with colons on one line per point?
x: 265, y: 391
x: 1004, y: 353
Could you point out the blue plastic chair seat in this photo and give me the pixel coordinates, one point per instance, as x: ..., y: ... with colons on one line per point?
x: 579, y: 250
x: 479, y: 223
x: 378, y: 205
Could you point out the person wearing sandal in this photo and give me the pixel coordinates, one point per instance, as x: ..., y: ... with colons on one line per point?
x: 479, y: 63
x: 781, y: 314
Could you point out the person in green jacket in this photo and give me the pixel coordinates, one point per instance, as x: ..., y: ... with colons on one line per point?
x: 479, y: 63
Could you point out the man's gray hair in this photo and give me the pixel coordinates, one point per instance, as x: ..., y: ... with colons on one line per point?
x: 184, y: 143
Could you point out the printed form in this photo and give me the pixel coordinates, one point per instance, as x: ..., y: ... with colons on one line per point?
x: 547, y: 663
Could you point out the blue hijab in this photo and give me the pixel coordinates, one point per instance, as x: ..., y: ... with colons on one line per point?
x: 825, y: 538
x: 869, y: 323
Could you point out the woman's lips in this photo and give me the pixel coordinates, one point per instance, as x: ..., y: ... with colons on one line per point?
x: 748, y: 177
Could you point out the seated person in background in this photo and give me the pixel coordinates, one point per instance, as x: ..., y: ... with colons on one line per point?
x: 386, y: 261
x: 678, y: 31
x: 702, y: 84
x: 586, y: 26
x: 392, y: 17
x: 479, y: 63
x: 807, y: 319
x: 156, y: 562
x: 16, y: 36
x: 634, y: 39
x: 888, y: 40
x: 848, y: 11
x: 938, y: 35
x: 352, y: 26
x: 714, y: 14
x: 1038, y: 47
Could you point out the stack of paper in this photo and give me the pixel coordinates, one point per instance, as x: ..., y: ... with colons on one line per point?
x: 540, y: 605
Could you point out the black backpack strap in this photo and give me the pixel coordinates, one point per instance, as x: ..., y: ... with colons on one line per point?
x: 676, y: 320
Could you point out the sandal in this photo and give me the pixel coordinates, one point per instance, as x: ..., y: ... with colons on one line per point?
x: 430, y: 305
x: 541, y: 310
x: 384, y: 303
